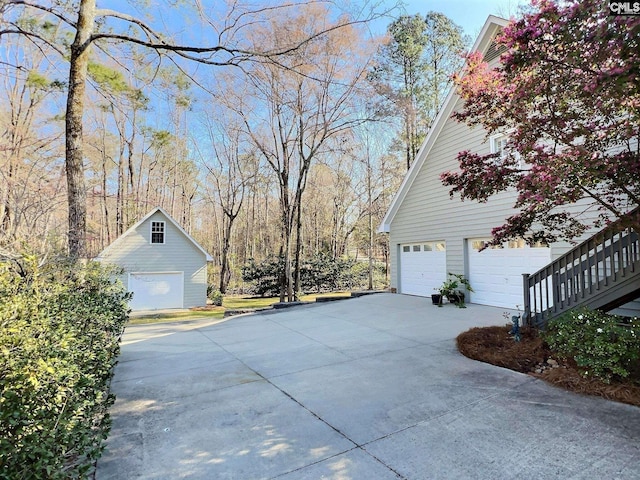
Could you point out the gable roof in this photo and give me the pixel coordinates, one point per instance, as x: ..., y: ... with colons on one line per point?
x: 483, y: 44
x: 131, y: 229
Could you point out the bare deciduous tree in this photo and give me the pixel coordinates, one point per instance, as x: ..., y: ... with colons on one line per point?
x: 231, y: 169
x: 305, y: 101
x: 103, y: 28
x: 29, y: 189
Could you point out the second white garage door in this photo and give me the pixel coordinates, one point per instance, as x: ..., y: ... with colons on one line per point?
x: 423, y: 267
x: 153, y: 291
x: 495, y: 274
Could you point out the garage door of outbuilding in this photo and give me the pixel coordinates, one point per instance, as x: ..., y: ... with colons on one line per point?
x: 495, y: 274
x: 156, y: 290
x: 423, y: 267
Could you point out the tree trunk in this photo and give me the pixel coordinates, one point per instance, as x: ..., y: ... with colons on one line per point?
x: 131, y: 175
x: 296, y: 285
x: 370, y: 214
x: 283, y: 275
x: 301, y: 187
x: 76, y: 193
x: 105, y: 205
x: 7, y: 213
x: 225, y: 270
x: 286, y: 289
x: 120, y: 191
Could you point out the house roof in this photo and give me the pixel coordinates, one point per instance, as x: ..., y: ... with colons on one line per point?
x: 482, y: 44
x: 144, y: 219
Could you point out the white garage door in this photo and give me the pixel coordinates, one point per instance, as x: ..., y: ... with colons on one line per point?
x: 423, y: 267
x: 152, y: 291
x: 495, y: 274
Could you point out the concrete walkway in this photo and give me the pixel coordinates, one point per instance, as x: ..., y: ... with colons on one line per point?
x: 370, y: 388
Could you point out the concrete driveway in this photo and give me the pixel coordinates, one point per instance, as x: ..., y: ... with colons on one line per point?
x: 369, y: 388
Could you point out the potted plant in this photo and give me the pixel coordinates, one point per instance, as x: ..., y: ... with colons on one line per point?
x: 436, y: 298
x: 453, y: 288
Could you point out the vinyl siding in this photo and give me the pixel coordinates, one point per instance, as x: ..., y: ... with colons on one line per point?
x: 428, y: 212
x: 135, y: 253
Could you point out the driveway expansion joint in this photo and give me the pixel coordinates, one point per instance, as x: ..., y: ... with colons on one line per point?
x: 459, y: 428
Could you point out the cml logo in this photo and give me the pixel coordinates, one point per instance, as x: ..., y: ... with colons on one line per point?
x: 624, y: 8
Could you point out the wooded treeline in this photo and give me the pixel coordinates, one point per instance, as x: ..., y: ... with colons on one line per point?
x: 294, y: 154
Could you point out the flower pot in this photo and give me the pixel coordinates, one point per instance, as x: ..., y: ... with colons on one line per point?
x: 436, y: 299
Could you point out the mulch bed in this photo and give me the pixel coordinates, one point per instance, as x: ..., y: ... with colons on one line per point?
x: 530, y: 355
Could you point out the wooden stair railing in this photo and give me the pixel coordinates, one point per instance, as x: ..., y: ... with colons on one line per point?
x: 602, y: 273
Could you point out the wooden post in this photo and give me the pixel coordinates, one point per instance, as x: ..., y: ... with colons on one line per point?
x: 526, y: 315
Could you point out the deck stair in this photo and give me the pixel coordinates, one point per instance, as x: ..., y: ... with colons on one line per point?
x: 601, y: 273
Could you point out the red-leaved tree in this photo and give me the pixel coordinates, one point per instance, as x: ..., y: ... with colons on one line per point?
x: 567, y: 93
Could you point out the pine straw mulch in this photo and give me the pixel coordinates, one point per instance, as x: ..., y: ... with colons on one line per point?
x: 494, y: 345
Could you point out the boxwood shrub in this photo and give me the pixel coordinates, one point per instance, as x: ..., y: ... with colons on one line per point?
x: 59, y: 339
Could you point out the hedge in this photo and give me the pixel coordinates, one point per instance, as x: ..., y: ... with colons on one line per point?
x: 59, y: 338
x: 320, y: 273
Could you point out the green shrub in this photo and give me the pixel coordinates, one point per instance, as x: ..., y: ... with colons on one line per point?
x: 59, y: 339
x: 320, y: 273
x: 214, y: 295
x: 264, y: 276
x: 323, y: 273
x: 603, y: 346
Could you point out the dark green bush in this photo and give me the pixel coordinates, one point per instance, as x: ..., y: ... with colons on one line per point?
x: 59, y: 339
x: 214, y: 295
x: 603, y: 346
x: 320, y: 273
x: 264, y: 276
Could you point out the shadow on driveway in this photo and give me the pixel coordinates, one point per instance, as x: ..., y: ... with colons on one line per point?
x: 369, y: 388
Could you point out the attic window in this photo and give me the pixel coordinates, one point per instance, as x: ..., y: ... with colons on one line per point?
x: 157, y: 232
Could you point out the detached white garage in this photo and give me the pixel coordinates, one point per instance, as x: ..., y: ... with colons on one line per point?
x: 423, y: 267
x: 164, y: 267
x: 156, y: 290
x: 496, y: 273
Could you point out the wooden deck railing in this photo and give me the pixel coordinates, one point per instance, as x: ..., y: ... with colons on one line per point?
x: 601, y: 273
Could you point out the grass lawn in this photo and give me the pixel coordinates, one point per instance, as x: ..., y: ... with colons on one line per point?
x: 176, y: 316
x: 229, y: 303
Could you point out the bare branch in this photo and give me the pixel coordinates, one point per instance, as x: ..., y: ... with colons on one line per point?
x: 182, y: 50
x: 32, y: 36
x: 43, y: 8
x: 236, y: 55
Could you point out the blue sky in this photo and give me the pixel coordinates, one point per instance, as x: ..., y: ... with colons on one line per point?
x: 469, y: 14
